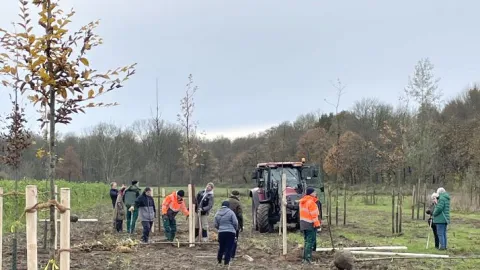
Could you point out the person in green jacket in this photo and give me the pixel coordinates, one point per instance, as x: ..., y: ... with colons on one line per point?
x: 441, y: 217
x: 129, y: 198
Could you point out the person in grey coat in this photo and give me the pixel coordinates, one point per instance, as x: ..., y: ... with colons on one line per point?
x: 147, y: 212
x: 202, y: 207
x: 227, y: 225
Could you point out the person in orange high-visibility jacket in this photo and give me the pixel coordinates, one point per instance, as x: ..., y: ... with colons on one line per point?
x: 309, y: 222
x: 171, y: 205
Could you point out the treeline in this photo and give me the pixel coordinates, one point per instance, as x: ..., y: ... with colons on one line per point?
x: 371, y: 143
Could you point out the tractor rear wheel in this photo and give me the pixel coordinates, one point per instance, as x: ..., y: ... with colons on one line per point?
x: 263, y: 223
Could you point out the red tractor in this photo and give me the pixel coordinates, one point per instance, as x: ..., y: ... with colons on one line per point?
x: 266, y: 197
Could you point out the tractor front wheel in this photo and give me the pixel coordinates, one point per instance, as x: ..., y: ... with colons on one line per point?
x: 263, y: 223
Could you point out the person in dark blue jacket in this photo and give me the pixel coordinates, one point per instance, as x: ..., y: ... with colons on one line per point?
x: 146, y: 211
x: 113, y: 193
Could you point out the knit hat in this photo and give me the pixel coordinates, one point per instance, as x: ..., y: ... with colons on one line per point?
x: 310, y: 190
x: 226, y: 203
x: 134, y: 182
x: 181, y: 193
x: 235, y: 193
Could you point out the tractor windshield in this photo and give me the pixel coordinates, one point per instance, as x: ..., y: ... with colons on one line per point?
x: 291, y: 173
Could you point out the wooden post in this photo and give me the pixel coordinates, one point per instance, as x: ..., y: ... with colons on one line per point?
x: 159, y: 208
x: 284, y: 211
x: 31, y: 224
x: 191, y: 220
x: 397, y: 217
x: 329, y: 206
x: 65, y: 230
x: 1, y: 227
x: 418, y: 198
x: 163, y: 193
x: 424, y: 200
x: 401, y: 212
x: 413, y: 202
x: 336, y: 206
x: 393, y: 211
x: 153, y: 223
x: 344, y: 204
x: 56, y: 218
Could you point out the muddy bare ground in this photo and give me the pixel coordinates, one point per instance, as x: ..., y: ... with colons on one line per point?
x: 94, y: 244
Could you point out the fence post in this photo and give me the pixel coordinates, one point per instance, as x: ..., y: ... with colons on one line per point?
x: 191, y: 221
x: 56, y: 218
x: 31, y: 224
x: 153, y: 223
x: 65, y: 230
x: 284, y: 213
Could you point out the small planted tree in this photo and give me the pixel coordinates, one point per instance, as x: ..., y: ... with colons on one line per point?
x: 190, y: 148
x: 16, y: 140
x: 49, y: 64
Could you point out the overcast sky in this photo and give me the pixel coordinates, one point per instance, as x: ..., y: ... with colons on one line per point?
x: 258, y: 63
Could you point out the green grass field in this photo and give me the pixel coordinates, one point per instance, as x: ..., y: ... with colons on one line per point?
x: 83, y: 196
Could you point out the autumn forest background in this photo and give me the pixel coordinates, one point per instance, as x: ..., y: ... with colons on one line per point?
x: 422, y: 138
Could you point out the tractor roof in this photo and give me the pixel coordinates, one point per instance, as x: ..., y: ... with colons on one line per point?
x: 280, y: 164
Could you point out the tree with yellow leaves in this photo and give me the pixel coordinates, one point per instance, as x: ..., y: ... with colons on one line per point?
x: 52, y: 69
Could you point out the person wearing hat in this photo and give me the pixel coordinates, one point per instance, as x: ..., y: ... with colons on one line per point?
x: 129, y: 198
x: 227, y: 225
x: 236, y: 207
x: 146, y: 206
x: 203, y: 206
x: 172, y: 204
x: 309, y: 222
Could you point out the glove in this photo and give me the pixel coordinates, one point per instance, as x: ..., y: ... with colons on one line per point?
x: 131, y: 209
x: 186, y: 218
x: 164, y: 217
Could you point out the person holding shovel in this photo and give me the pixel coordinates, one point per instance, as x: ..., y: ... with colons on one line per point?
x: 172, y: 204
x: 203, y: 206
x: 432, y: 225
x: 131, y: 195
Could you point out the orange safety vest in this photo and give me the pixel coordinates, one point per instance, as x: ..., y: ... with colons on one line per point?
x: 309, y: 213
x: 171, y: 202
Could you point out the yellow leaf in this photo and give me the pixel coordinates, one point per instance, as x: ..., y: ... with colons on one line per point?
x: 84, y: 61
x: 100, y: 90
x: 31, y: 39
x: 63, y: 92
x: 91, y: 93
x: 44, y: 74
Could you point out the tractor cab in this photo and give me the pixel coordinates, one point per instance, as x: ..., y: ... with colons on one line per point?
x: 266, y: 197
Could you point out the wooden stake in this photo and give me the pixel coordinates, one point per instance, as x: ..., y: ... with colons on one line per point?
x: 401, y: 212
x: 153, y: 223
x: 159, y: 207
x: 336, y: 206
x: 65, y: 230
x: 413, y: 202
x: 393, y: 211
x: 366, y: 248
x: 344, y: 204
x: 398, y: 254
x: 56, y: 218
x: 424, y: 200
x: 191, y: 220
x: 284, y: 213
x: 1, y: 227
x: 163, y: 193
x: 31, y: 224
